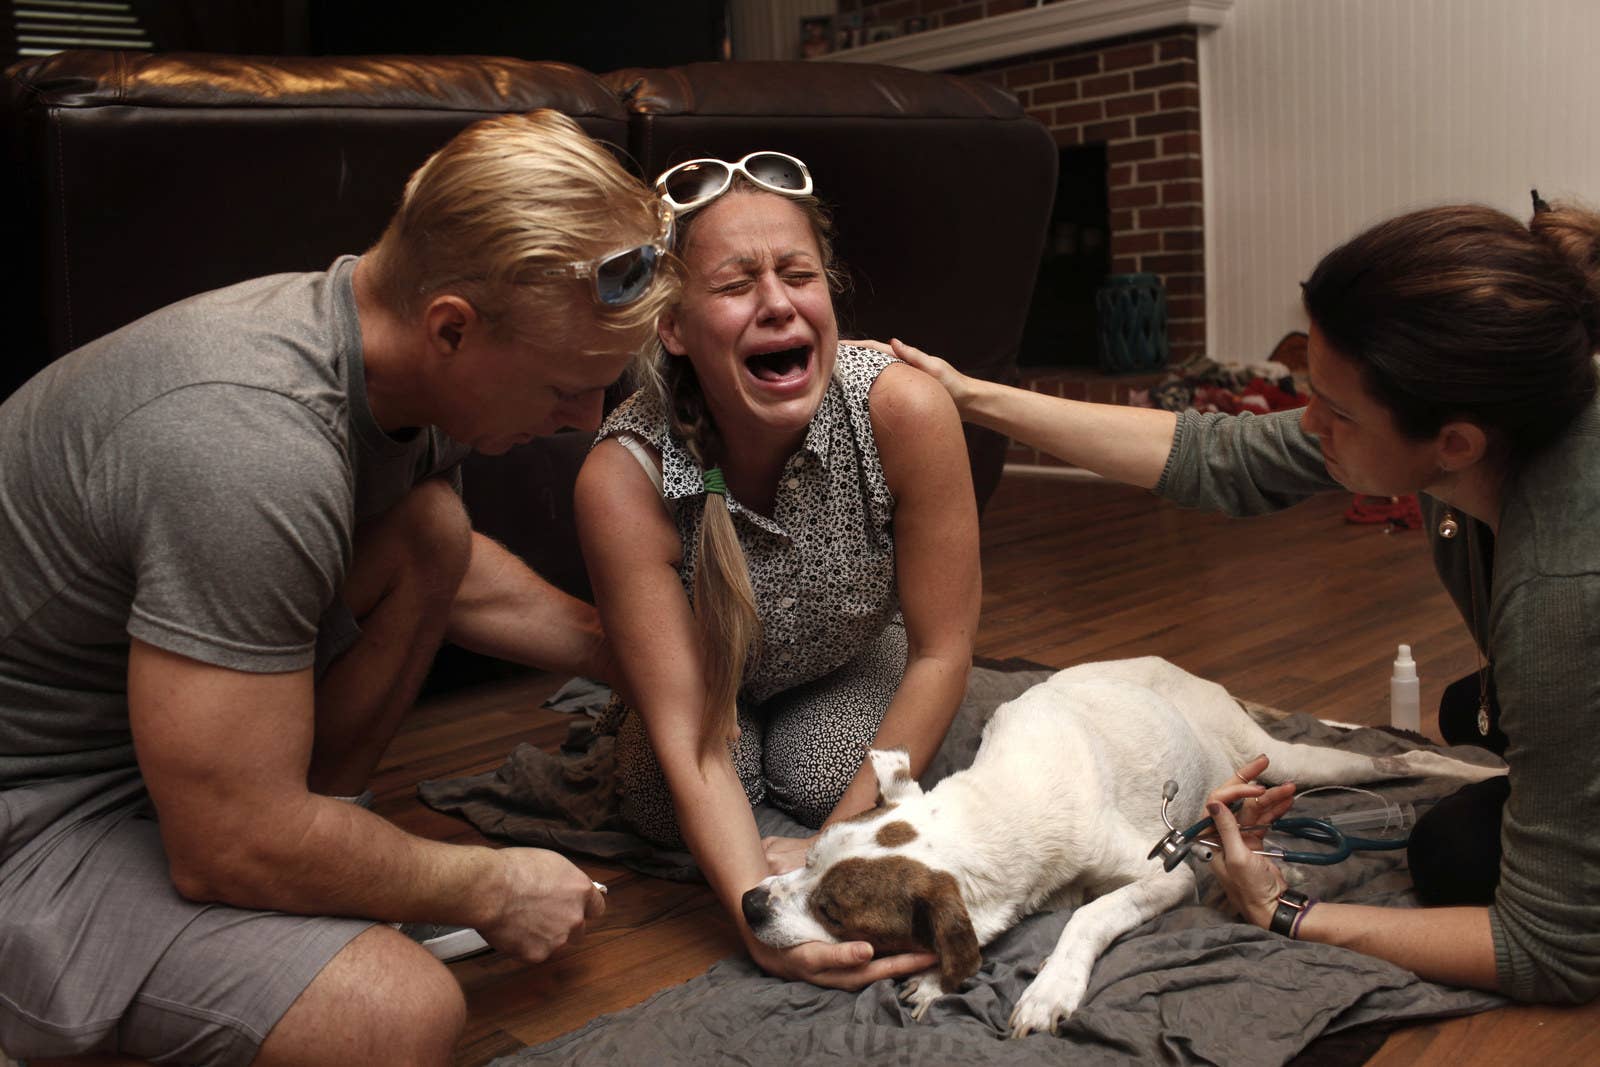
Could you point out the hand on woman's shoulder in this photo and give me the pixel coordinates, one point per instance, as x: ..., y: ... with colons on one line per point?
x: 903, y: 398
x: 918, y: 433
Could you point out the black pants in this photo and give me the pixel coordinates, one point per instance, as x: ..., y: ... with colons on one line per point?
x: 1455, y: 848
x: 1454, y: 852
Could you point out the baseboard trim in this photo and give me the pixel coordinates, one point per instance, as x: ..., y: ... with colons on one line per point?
x: 1039, y: 470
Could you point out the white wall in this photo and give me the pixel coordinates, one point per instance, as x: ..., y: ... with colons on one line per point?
x: 1320, y: 117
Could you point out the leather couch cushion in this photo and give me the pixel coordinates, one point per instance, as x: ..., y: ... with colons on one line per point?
x: 156, y: 177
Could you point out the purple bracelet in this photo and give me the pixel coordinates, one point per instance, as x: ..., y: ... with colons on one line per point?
x: 1294, y: 929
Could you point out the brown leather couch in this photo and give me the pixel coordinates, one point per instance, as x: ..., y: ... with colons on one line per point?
x: 139, y: 179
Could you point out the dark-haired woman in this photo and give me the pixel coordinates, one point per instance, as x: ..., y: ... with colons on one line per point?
x: 756, y: 524
x: 1452, y: 355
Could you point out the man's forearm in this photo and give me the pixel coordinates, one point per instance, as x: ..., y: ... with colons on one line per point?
x: 328, y: 857
x: 225, y: 756
x: 504, y: 609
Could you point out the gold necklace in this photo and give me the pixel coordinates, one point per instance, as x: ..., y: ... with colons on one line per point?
x: 1449, y: 527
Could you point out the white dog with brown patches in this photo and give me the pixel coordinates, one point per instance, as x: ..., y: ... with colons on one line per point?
x: 1059, y: 808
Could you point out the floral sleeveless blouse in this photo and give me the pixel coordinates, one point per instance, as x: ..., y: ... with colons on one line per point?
x: 822, y: 567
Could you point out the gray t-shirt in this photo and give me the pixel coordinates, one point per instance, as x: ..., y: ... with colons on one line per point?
x: 1531, y: 597
x: 194, y: 480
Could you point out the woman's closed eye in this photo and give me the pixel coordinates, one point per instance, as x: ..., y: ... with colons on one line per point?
x: 793, y: 276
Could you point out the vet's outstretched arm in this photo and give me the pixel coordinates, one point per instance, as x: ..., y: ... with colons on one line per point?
x: 1451, y: 945
x: 1123, y: 443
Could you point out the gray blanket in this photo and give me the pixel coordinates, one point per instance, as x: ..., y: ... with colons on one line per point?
x: 1192, y: 986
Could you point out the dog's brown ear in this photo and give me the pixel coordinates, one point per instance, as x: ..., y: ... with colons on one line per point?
x: 942, y: 919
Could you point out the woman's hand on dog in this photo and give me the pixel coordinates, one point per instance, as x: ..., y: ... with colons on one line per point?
x: 848, y: 966
x: 1252, y: 882
x: 784, y: 854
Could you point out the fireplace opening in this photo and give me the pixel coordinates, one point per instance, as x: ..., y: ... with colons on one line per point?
x: 1061, y: 328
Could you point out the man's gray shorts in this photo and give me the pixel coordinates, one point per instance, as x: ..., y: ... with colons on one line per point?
x: 99, y: 953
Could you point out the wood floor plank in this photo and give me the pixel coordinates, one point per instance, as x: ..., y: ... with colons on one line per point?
x: 680, y: 949
x: 1520, y: 1034
x: 1299, y: 610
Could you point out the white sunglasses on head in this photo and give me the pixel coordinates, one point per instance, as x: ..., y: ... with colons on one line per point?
x: 698, y: 182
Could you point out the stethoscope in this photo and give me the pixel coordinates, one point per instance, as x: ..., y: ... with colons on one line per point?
x: 1178, y: 843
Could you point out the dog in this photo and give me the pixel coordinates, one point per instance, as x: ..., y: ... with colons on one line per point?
x: 1059, y: 809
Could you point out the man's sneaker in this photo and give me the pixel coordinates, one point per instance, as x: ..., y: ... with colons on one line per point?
x: 448, y: 943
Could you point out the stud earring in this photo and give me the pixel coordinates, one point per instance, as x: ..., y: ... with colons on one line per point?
x: 1448, y: 526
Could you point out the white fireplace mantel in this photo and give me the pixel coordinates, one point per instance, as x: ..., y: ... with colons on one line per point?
x: 1034, y: 29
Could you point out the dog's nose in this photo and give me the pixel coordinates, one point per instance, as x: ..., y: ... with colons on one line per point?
x: 757, y: 905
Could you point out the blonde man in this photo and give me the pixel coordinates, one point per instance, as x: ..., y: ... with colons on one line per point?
x: 232, y: 542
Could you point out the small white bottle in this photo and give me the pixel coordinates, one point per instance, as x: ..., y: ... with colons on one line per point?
x: 1405, y: 706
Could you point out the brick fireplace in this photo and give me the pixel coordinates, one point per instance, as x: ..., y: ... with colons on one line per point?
x: 1124, y: 74
x: 1138, y: 94
x: 1140, y: 97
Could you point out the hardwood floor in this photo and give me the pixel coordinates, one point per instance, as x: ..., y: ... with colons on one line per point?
x: 1299, y: 610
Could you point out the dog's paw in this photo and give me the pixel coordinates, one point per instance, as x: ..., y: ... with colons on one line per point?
x: 921, y: 990
x: 1047, y: 1002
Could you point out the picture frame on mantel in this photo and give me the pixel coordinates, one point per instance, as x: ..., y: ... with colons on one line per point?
x: 846, y: 30
x: 816, y: 36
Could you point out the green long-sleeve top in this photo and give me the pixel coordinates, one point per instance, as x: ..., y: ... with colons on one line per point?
x: 1540, y: 626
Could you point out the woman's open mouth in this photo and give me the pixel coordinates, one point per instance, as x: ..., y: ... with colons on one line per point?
x: 780, y: 367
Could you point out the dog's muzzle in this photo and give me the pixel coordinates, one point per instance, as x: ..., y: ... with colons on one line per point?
x: 757, y: 907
